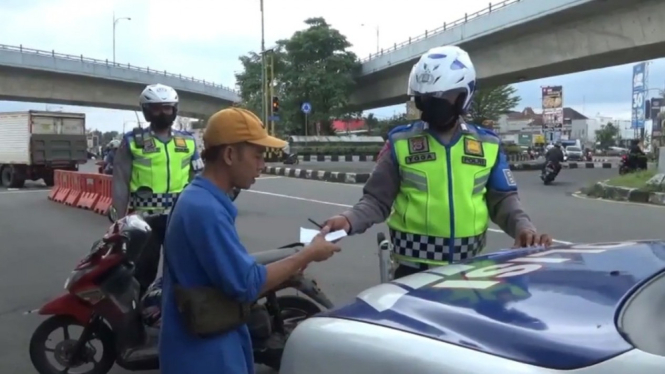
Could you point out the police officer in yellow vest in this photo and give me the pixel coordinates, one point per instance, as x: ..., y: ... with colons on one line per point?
x: 151, y: 168
x: 439, y: 181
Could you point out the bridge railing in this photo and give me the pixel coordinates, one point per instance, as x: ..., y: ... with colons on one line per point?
x: 493, y: 7
x: 81, y: 58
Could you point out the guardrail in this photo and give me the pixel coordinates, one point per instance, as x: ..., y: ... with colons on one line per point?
x: 81, y: 58
x: 446, y: 26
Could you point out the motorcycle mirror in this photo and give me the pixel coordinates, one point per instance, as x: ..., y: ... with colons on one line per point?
x: 112, y: 214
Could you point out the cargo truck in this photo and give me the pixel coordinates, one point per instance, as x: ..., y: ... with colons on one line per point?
x: 34, y: 144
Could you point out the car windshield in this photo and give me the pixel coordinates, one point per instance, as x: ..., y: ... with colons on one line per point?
x: 573, y: 149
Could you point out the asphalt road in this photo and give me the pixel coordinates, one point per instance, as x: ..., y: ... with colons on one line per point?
x: 43, y: 240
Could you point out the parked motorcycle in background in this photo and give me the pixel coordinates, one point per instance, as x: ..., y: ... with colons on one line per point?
x: 102, y: 298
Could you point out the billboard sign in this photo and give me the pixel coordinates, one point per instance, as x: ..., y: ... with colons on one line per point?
x: 552, y: 97
x: 525, y: 139
x: 639, y: 91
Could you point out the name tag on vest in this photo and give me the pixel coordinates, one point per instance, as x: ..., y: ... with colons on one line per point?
x: 423, y: 157
x: 474, y: 161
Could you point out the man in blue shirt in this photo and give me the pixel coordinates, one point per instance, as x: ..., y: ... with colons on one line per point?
x: 202, y: 248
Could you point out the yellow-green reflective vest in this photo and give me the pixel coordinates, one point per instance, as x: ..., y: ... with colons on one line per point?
x: 440, y: 214
x: 160, y: 171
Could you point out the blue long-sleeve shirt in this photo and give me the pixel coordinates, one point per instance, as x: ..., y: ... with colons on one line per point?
x: 202, y: 248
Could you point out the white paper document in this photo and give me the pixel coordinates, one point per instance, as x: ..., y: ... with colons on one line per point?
x: 307, y: 235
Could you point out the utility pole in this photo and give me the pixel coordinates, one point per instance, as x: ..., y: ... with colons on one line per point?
x: 264, y: 93
x: 376, y: 27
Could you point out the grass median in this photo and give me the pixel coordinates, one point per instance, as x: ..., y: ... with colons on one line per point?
x: 633, y: 180
x: 635, y: 187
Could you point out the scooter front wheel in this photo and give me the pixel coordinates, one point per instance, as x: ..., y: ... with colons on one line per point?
x: 62, y: 351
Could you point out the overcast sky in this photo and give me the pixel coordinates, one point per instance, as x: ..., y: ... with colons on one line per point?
x: 203, y: 38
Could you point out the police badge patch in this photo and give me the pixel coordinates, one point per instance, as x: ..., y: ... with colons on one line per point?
x: 473, y: 147
x: 419, y: 144
x: 149, y: 146
x: 180, y: 145
x: 180, y: 142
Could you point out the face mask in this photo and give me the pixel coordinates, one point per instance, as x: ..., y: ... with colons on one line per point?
x: 161, y: 122
x: 439, y: 114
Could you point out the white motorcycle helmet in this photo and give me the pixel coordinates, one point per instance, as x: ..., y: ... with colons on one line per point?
x: 443, y: 70
x: 114, y: 144
x: 158, y: 94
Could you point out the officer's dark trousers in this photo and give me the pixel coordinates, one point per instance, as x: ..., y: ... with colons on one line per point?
x: 403, y: 271
x: 147, y: 264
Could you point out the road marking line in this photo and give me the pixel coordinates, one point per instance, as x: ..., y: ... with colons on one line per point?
x: 299, y: 198
x: 356, y: 185
x: 259, y: 178
x: 22, y: 191
x: 349, y: 206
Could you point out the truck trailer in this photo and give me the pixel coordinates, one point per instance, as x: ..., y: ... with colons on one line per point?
x: 34, y: 144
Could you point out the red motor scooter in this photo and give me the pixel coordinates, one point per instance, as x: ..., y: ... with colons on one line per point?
x: 103, y: 297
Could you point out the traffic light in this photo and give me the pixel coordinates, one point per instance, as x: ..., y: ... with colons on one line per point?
x: 275, y: 104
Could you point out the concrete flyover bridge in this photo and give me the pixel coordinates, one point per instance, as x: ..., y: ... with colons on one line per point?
x: 520, y: 40
x: 34, y: 75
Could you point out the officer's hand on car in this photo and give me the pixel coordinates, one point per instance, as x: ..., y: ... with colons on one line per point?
x: 320, y: 249
x: 337, y: 223
x: 530, y: 238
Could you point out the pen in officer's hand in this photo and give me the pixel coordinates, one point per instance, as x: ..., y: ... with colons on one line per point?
x: 313, y: 222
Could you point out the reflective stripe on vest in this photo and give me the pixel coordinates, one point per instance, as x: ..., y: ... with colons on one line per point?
x: 163, y: 168
x: 440, y: 214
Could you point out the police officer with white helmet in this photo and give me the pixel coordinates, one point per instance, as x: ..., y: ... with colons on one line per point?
x: 151, y: 167
x: 439, y: 181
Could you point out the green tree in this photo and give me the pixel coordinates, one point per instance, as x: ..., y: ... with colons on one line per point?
x: 489, y: 104
x: 249, y: 82
x: 312, y: 66
x: 607, y: 136
x: 318, y: 70
x: 384, y: 126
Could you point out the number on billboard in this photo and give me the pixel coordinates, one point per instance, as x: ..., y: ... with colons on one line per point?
x: 638, y: 99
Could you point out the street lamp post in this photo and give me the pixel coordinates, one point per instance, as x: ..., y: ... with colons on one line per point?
x: 115, y: 22
x: 377, y: 37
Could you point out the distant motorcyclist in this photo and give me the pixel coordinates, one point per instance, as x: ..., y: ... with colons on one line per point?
x: 112, y: 147
x: 637, y: 159
x: 555, y: 156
